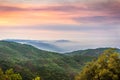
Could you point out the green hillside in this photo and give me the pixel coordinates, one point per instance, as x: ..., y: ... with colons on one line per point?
x: 30, y: 61
x: 90, y: 52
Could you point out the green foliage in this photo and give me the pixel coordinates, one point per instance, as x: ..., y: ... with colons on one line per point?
x: 106, y: 67
x: 9, y: 75
x: 37, y: 78
x: 53, y: 73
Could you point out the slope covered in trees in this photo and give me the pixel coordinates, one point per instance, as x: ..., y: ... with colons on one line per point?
x: 30, y: 61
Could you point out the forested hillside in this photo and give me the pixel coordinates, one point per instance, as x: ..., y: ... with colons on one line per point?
x: 30, y: 62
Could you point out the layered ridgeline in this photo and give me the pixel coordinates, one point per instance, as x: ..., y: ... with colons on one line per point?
x: 60, y: 46
x: 30, y: 61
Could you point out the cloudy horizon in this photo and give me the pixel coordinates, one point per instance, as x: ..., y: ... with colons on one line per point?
x: 88, y: 21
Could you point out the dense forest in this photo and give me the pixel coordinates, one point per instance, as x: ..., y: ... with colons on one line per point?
x: 30, y: 63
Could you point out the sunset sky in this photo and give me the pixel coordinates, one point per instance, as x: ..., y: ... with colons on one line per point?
x: 87, y: 21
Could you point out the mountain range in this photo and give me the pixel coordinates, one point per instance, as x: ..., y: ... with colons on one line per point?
x: 30, y: 61
x: 60, y: 46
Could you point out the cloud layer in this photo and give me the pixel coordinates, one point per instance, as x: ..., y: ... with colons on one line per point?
x: 102, y: 12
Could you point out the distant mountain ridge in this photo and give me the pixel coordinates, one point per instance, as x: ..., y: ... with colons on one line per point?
x: 63, y: 41
x: 38, y: 44
x: 91, y: 52
x: 60, y: 46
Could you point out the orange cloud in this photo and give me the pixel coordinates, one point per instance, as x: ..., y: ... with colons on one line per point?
x: 76, y: 13
x: 17, y: 18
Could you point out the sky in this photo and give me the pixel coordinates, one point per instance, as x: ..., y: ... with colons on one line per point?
x: 93, y: 22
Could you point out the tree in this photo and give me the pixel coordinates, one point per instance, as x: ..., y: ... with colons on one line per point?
x: 2, y: 76
x: 37, y: 78
x: 106, y: 67
x: 9, y: 75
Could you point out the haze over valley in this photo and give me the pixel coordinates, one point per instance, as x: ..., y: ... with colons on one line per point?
x: 62, y: 46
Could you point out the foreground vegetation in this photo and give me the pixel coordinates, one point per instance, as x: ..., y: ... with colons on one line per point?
x: 106, y: 67
x: 10, y: 75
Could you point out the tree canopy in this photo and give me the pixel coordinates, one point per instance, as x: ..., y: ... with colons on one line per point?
x: 106, y: 67
x: 10, y: 75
